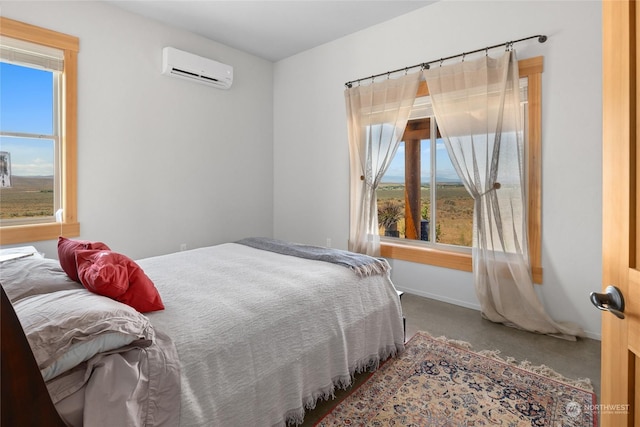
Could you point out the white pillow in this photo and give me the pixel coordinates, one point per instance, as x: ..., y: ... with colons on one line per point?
x: 25, y: 277
x: 57, y: 322
x: 84, y: 351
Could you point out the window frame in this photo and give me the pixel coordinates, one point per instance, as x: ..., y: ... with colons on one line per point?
x: 14, y: 234
x: 531, y: 68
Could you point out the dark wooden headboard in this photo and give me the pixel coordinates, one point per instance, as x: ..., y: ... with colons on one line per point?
x: 25, y: 399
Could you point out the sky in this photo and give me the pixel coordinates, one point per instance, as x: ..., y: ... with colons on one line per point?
x: 445, y: 169
x: 26, y: 106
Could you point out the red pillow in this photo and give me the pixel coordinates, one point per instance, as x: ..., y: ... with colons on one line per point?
x: 116, y: 276
x: 67, y: 253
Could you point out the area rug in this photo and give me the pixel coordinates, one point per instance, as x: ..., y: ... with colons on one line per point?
x: 437, y: 382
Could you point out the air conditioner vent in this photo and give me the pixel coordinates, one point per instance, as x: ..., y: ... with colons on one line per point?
x: 185, y: 65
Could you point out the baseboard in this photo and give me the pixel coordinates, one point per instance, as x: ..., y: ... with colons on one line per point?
x: 436, y: 297
x: 593, y: 335
x: 588, y: 334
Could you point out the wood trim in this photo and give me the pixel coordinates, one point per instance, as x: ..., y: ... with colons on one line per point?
x: 618, y: 130
x: 422, y: 255
x: 534, y: 175
x: 70, y: 138
x: 31, y: 33
x: 531, y: 68
x: 68, y: 134
x: 633, y: 294
x: 38, y: 232
x: 636, y: 392
x: 423, y: 90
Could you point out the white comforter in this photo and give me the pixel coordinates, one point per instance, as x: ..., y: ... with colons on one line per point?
x: 261, y: 336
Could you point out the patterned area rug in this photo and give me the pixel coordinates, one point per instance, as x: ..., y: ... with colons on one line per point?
x: 438, y: 382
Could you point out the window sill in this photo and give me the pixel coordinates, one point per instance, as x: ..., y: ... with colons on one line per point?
x: 437, y: 257
x: 37, y: 232
x: 422, y: 255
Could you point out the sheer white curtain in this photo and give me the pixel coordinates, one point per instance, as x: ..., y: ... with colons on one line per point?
x: 477, y: 108
x: 377, y: 115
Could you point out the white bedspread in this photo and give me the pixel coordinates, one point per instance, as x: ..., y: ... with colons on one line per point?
x: 261, y: 336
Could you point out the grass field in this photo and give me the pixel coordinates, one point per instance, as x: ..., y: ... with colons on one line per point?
x: 454, y: 224
x: 27, y: 197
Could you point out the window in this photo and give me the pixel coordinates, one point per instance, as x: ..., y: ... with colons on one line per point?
x: 424, y: 211
x: 420, y: 178
x: 29, y: 142
x: 38, y: 79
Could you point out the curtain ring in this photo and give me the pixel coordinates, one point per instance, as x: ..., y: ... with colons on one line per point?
x: 463, y: 55
x: 406, y: 70
x: 486, y: 51
x: 441, y: 61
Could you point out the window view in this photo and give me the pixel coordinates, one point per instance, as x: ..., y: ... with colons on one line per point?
x: 421, y: 197
x: 409, y: 190
x: 28, y: 144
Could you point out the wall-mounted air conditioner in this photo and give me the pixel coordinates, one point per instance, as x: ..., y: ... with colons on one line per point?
x: 185, y: 65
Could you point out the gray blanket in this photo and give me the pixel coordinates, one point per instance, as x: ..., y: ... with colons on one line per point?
x: 362, y: 265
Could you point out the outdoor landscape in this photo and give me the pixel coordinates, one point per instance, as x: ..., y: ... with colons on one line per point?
x: 454, y: 210
x: 32, y: 196
x: 28, y: 197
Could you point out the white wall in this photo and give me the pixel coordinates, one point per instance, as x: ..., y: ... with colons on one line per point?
x: 311, y: 167
x: 162, y: 161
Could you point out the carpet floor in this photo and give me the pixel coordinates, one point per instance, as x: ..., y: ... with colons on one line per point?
x: 439, y: 382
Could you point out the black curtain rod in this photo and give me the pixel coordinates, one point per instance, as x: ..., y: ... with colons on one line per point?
x: 425, y: 65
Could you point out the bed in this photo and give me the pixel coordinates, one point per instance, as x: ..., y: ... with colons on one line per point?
x: 252, y: 333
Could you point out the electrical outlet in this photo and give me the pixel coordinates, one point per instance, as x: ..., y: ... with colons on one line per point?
x: 183, y: 246
x: 328, y: 242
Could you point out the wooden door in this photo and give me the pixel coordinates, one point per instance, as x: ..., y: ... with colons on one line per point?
x: 620, y: 390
